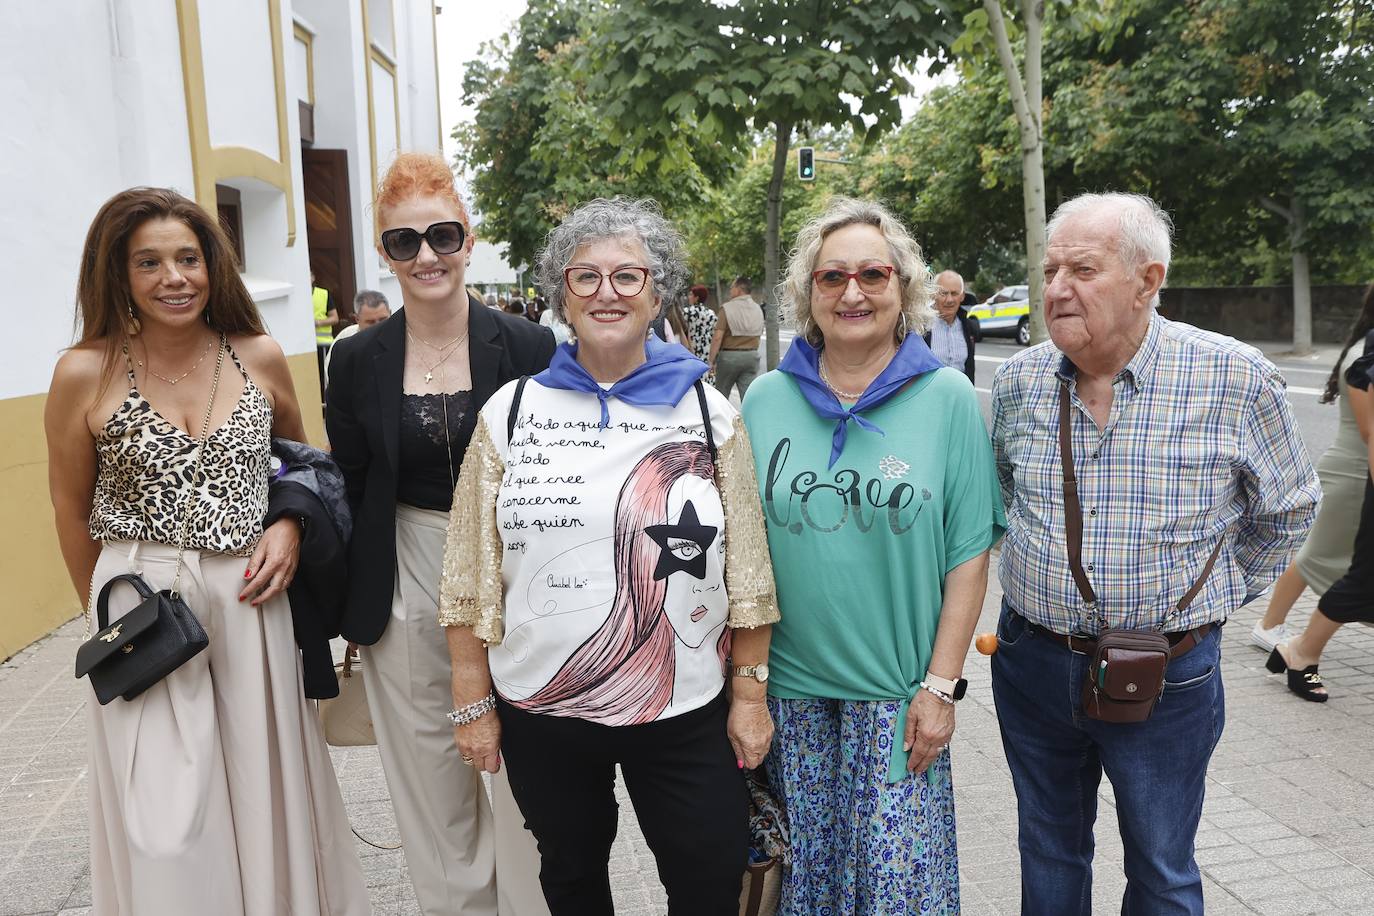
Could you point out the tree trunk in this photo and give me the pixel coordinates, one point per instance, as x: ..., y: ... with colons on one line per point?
x: 771, y: 257
x: 1302, y: 280
x: 1026, y: 101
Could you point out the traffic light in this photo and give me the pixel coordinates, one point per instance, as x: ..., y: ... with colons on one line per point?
x: 806, y: 163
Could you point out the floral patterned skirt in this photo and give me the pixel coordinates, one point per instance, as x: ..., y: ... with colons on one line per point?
x: 860, y: 846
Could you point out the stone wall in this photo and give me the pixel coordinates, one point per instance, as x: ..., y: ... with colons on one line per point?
x: 1262, y: 312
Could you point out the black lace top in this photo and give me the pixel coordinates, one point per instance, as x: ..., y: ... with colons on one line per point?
x: 431, y: 457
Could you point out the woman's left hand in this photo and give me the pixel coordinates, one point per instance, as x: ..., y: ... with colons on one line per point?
x: 750, y: 728
x: 273, y: 563
x: 929, y: 726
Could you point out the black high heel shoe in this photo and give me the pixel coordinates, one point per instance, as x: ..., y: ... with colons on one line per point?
x: 1304, y: 683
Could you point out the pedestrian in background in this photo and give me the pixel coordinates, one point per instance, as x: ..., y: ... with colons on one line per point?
x: 403, y: 402
x: 159, y: 422
x: 1351, y: 598
x: 700, y: 321
x: 1155, y: 481
x: 370, y: 307
x: 881, y: 506
x: 605, y: 555
x: 1326, y: 553
x: 950, y: 336
x: 735, y: 344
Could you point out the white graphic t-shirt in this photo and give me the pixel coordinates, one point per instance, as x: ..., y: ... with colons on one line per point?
x: 613, y: 555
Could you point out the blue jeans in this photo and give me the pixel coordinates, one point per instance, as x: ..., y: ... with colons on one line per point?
x: 1057, y: 757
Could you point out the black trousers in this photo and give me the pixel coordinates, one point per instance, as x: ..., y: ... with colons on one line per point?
x: 687, y: 791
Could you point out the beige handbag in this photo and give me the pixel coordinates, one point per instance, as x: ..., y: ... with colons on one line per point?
x: 346, y: 719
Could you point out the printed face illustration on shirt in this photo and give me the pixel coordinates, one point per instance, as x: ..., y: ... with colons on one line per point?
x: 691, y: 561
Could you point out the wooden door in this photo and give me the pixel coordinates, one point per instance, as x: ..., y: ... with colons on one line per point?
x: 329, y: 224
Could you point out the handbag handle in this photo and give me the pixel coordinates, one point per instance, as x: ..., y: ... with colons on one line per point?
x: 102, y: 604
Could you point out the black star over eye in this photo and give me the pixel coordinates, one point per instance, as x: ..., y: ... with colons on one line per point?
x: 684, y: 544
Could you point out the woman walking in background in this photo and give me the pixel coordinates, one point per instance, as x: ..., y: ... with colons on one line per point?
x: 403, y: 402
x: 212, y: 791
x: 1343, y: 468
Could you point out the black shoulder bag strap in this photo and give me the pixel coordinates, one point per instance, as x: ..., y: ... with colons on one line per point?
x: 706, y: 420
x: 514, y: 413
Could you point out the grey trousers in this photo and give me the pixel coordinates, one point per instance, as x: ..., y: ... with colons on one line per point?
x: 736, y: 367
x: 465, y: 855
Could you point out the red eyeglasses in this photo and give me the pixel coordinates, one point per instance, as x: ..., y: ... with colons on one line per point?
x: 872, y: 279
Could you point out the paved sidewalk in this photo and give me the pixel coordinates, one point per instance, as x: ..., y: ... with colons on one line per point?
x: 1287, y: 827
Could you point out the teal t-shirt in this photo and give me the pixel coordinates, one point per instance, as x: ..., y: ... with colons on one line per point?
x: 860, y: 550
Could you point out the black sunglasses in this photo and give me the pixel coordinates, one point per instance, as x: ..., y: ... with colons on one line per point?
x: 404, y: 244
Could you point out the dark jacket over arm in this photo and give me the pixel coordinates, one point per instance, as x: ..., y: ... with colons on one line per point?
x: 363, y: 416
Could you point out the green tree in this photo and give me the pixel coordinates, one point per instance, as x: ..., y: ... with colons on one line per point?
x: 541, y: 143
x: 742, y: 68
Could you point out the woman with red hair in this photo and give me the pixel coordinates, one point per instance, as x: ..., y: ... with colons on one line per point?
x: 402, y: 406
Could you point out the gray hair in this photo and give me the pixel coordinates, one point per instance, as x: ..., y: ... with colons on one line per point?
x: 917, y: 286
x: 369, y: 298
x: 1144, y: 229
x: 614, y: 218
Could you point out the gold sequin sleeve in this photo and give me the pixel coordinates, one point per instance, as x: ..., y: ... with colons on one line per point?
x: 470, y: 590
x: 748, y: 568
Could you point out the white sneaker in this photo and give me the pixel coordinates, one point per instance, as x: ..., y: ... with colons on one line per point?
x: 1268, y: 639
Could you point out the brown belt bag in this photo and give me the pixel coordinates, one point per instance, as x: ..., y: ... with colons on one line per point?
x: 1126, y: 672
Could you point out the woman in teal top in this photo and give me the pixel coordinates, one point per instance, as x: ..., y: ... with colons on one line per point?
x: 881, y: 503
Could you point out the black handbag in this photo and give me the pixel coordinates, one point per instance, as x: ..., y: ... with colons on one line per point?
x: 143, y: 646
x: 161, y: 634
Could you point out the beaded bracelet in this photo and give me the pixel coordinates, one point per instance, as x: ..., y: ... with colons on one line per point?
x: 938, y: 694
x: 466, y: 715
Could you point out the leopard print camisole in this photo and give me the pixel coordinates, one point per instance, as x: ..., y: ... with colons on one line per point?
x: 145, y: 462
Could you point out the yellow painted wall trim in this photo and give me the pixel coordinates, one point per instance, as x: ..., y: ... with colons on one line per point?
x: 210, y: 165
x: 307, y: 38
x: 371, y: 113
x: 438, y: 104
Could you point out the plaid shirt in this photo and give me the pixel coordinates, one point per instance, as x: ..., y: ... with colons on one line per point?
x: 1200, y: 445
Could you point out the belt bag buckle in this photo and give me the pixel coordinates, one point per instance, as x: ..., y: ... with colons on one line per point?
x: 1126, y: 675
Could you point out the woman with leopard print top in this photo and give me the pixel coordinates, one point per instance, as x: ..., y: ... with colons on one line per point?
x: 211, y: 792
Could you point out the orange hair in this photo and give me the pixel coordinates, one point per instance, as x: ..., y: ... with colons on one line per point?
x: 418, y: 175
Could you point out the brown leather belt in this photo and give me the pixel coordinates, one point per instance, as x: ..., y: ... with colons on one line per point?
x: 1182, y: 642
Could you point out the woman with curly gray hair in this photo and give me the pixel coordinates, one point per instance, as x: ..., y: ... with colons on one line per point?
x: 875, y: 467
x: 608, y: 554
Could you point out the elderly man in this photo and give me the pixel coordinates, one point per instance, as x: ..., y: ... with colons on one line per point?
x: 1155, y: 482
x: 369, y: 307
x: 950, y: 337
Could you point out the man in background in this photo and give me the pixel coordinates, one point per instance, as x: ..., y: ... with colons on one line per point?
x: 371, y: 308
x: 950, y: 337
x: 735, y: 344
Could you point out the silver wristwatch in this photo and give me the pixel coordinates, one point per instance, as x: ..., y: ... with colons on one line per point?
x: 757, y: 672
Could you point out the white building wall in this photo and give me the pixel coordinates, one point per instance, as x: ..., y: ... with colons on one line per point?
x: 240, y: 85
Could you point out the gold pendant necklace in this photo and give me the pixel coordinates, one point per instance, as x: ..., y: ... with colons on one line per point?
x: 444, y: 352
x: 179, y: 378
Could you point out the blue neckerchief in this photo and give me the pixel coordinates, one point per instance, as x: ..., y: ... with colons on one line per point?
x: 802, y: 362
x: 667, y: 373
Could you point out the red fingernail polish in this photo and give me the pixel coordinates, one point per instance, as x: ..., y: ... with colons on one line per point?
x: 240, y: 599
x: 247, y: 574
x: 740, y: 764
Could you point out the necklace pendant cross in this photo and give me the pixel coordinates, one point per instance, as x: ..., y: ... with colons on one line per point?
x: 429, y: 377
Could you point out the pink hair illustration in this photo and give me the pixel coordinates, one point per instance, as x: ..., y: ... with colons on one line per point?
x: 623, y: 673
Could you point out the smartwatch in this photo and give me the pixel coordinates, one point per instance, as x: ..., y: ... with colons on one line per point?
x: 955, y: 689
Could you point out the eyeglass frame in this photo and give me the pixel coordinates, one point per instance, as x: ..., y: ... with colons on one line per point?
x: 852, y: 275
x: 602, y: 278
x: 424, y: 239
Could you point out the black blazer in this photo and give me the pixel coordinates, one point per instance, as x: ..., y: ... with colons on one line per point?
x: 363, y: 418
x: 962, y: 317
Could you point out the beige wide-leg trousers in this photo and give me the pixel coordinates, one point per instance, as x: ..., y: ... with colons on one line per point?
x: 212, y: 792
x: 466, y: 857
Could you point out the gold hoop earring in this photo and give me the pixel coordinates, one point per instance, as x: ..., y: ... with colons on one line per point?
x: 905, y: 329
x: 134, y: 326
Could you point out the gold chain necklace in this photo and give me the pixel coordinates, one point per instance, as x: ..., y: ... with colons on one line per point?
x: 444, y: 352
x: 179, y: 378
